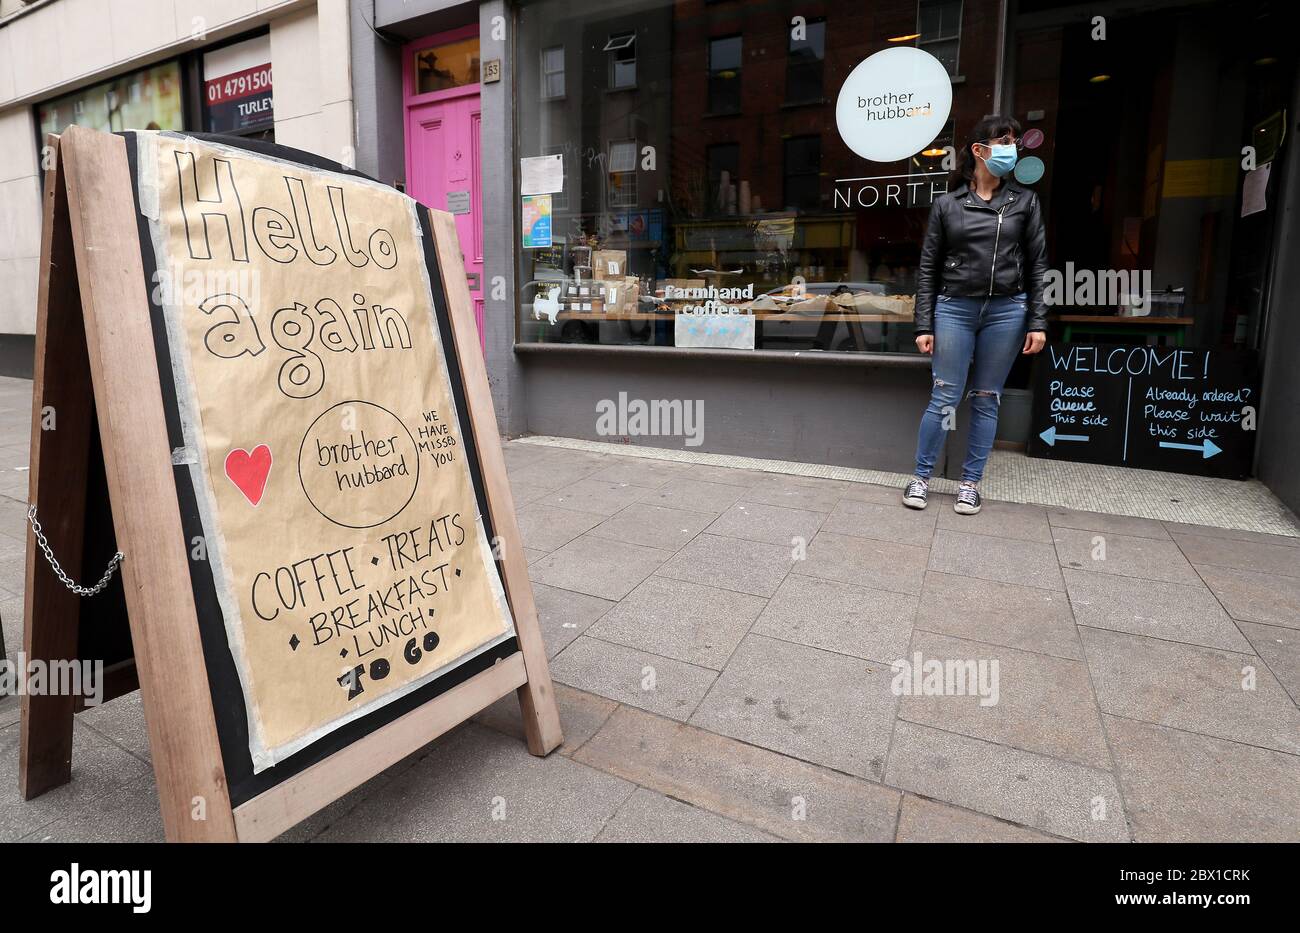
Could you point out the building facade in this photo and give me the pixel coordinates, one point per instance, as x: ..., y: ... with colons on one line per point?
x: 665, y: 198
x: 668, y: 148
x: 277, y: 69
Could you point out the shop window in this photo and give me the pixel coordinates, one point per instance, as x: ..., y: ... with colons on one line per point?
x: 805, y: 64
x: 939, y: 25
x: 1133, y: 145
x: 149, y: 99
x: 553, y: 73
x: 1173, y: 227
x: 803, y: 163
x: 622, y: 60
x: 724, y: 75
x: 446, y: 66
x: 237, y: 89
x: 764, y: 213
x: 622, y: 173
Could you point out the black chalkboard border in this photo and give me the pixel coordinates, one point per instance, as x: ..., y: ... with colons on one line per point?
x: 223, y: 678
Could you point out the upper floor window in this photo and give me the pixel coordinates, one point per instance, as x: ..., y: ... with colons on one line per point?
x: 559, y: 199
x: 552, y: 73
x: 804, y: 63
x: 939, y: 25
x: 722, y: 164
x: 622, y: 173
x: 622, y: 60
x: 802, y: 169
x: 724, y: 74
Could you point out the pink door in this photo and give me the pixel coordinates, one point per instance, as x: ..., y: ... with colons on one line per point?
x: 442, y: 140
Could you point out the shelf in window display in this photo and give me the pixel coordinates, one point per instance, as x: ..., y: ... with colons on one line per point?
x: 863, y: 305
x: 590, y: 299
x: 759, y: 316
x: 664, y: 313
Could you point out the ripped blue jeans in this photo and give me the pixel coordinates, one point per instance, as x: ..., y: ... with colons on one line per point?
x: 976, y: 341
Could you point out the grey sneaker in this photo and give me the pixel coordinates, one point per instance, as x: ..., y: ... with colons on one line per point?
x: 914, y: 493
x: 968, y: 500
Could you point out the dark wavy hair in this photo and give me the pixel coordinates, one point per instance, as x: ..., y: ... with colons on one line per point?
x: 989, y: 127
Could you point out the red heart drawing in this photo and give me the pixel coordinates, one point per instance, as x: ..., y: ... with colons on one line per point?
x: 249, y: 471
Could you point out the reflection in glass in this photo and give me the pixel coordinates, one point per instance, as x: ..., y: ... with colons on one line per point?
x: 939, y: 22
x: 724, y: 75
x: 149, y: 99
x: 446, y: 66
x: 708, y: 199
x: 804, y: 67
x: 622, y: 60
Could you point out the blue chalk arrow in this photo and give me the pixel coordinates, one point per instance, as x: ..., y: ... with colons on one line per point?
x: 1052, y: 437
x: 1207, y: 447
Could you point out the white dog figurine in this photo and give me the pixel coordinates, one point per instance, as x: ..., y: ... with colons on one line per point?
x: 548, y: 305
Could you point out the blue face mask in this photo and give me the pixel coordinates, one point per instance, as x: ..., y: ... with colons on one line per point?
x: 1002, y: 158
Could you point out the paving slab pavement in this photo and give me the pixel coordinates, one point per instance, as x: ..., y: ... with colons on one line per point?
x: 724, y: 643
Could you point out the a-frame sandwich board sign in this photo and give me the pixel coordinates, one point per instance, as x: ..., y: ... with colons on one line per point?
x: 258, y: 376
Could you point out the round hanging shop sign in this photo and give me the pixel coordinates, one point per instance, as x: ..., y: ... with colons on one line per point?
x: 893, y: 104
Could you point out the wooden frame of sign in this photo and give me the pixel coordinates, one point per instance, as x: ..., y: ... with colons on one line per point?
x: 95, y: 357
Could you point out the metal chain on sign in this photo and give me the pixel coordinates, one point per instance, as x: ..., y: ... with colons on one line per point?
x: 58, y: 570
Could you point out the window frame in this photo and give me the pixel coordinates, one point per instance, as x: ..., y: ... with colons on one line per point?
x: 564, y: 88
x: 739, y: 78
x: 786, y: 174
x: 942, y: 40
x: 614, y: 61
x: 713, y: 207
x: 821, y: 63
x: 611, y: 201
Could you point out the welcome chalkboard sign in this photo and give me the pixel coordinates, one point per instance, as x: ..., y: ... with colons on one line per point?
x: 1179, y: 409
x: 323, y: 569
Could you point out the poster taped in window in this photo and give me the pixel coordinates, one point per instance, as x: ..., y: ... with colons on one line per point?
x: 541, y: 174
x: 537, y: 221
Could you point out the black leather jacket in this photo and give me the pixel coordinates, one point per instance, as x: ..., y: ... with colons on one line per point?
x: 973, y: 249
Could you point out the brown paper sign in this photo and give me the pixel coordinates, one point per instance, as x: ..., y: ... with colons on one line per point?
x: 344, y: 537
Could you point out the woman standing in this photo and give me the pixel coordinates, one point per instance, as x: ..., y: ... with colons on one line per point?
x: 979, y: 300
